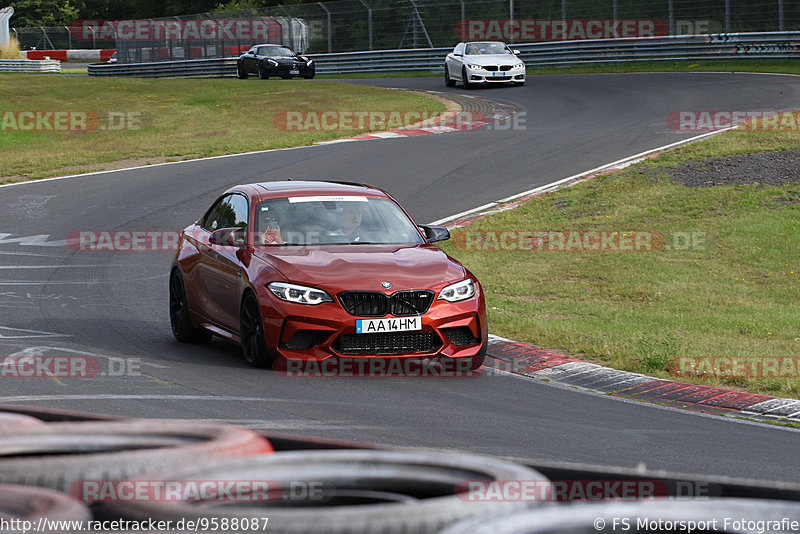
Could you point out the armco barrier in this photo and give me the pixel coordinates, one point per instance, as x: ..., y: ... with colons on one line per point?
x: 70, y: 55
x: 681, y: 47
x: 26, y: 65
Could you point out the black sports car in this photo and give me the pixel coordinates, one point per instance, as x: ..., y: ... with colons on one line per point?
x: 274, y: 60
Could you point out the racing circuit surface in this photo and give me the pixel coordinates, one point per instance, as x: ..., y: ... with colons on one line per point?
x: 56, y: 301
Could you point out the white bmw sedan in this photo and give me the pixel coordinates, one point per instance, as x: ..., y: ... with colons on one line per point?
x: 483, y: 62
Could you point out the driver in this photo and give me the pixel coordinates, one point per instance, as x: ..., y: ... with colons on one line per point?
x: 270, y: 229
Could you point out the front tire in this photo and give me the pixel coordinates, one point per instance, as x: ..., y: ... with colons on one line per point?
x: 447, y: 81
x: 254, y: 347
x: 179, y: 317
x: 263, y: 73
x: 465, y: 79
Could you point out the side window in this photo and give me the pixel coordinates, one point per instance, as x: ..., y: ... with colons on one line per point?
x: 238, y: 212
x: 459, y: 48
x: 215, y: 216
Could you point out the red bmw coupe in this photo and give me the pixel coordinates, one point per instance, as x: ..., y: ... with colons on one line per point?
x: 309, y: 271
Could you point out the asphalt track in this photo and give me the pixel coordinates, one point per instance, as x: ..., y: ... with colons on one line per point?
x: 55, y: 301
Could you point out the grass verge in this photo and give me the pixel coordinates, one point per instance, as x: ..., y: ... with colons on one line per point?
x: 153, y: 120
x: 732, y: 292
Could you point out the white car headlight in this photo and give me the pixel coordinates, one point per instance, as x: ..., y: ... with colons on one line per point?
x: 459, y: 291
x: 475, y: 67
x: 298, y: 294
x: 519, y: 66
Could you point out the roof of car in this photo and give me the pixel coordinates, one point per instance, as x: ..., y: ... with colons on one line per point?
x: 303, y: 185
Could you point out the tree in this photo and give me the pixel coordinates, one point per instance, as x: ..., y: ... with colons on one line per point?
x: 29, y: 13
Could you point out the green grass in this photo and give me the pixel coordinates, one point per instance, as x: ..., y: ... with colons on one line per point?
x: 176, y: 118
x: 736, y: 293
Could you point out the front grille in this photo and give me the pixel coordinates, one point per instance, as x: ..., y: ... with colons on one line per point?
x: 498, y: 78
x: 388, y: 343
x: 377, y: 304
x: 364, y: 303
x: 490, y: 68
x: 460, y: 336
x: 505, y: 67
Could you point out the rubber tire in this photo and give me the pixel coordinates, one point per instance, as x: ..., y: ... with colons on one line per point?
x: 56, y: 455
x: 263, y: 73
x: 29, y: 504
x: 581, y: 518
x: 447, y: 81
x: 251, y: 333
x: 241, y: 73
x: 464, y: 80
x: 417, y: 490
x: 179, y: 317
x: 10, y: 422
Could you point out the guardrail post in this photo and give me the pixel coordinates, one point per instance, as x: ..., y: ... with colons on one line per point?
x: 564, y: 10
x: 671, y: 17
x: 369, y: 21
x: 328, y: 14
x: 614, y: 9
x: 727, y: 16
x: 780, y: 16
x: 511, y: 21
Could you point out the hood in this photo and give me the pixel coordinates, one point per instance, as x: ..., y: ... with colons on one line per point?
x: 493, y: 59
x: 364, y: 267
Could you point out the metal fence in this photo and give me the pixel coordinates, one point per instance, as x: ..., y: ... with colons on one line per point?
x: 355, y: 25
x: 693, y: 48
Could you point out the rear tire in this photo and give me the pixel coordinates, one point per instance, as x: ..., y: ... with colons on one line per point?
x: 254, y: 347
x: 179, y: 317
x: 241, y: 72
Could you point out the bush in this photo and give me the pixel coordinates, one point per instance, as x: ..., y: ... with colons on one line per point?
x: 11, y: 50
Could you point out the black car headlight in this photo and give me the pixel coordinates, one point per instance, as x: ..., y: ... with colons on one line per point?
x: 273, y: 62
x: 459, y: 291
x: 298, y: 294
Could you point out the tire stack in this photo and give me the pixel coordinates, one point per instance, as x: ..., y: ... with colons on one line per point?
x: 44, y: 468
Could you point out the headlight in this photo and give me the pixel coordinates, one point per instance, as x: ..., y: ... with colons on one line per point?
x: 459, y: 291
x: 273, y: 62
x: 298, y: 294
x: 475, y: 67
x: 519, y: 66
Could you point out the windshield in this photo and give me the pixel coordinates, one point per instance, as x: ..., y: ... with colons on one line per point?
x: 478, y: 49
x: 274, y: 51
x: 326, y: 220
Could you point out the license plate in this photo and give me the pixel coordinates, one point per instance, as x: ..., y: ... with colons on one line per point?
x: 294, y: 72
x: 391, y: 324
x: 498, y: 74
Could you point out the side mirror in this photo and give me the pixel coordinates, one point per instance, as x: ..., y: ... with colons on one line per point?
x: 516, y: 52
x: 228, y: 237
x: 435, y: 233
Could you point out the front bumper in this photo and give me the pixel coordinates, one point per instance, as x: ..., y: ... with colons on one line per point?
x: 483, y: 75
x: 300, y: 332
